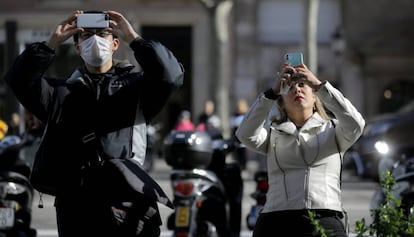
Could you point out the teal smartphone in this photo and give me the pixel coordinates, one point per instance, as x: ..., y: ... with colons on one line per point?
x: 294, y: 59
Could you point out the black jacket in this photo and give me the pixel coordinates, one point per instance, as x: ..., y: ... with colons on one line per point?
x: 95, y: 119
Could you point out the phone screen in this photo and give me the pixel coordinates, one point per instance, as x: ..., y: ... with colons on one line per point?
x: 294, y: 59
x: 93, y: 20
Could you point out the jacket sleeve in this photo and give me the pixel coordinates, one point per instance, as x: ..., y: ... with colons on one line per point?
x: 252, y: 131
x: 25, y: 78
x: 163, y: 75
x: 350, y: 122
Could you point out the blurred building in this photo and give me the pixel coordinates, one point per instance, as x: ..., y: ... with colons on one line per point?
x: 366, y: 51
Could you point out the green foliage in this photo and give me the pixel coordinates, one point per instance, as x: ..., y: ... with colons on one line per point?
x: 320, y: 231
x: 389, y: 219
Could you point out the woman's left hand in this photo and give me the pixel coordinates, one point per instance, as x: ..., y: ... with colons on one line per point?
x: 303, y: 72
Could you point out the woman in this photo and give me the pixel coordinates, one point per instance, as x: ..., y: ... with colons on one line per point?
x: 304, y: 148
x: 184, y: 122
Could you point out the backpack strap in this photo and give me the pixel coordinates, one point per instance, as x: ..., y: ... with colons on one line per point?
x: 336, y: 142
x: 344, y: 212
x: 339, y: 151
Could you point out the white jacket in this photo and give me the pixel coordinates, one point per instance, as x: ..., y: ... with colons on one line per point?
x: 304, y: 165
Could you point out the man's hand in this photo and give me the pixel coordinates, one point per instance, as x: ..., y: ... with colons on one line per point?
x: 64, y: 30
x: 121, y: 27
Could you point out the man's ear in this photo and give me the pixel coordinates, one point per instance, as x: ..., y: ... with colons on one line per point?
x: 115, y: 44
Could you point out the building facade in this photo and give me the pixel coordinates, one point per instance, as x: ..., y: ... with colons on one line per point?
x: 233, y: 49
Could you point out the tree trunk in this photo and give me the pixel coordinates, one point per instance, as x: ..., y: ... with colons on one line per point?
x: 310, y: 37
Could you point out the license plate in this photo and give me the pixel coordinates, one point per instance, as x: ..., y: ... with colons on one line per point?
x: 6, y: 217
x: 182, y: 216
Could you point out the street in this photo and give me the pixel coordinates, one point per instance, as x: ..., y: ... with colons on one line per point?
x: 356, y: 197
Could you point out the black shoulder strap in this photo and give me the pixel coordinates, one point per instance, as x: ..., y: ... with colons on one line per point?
x: 336, y: 141
x: 344, y: 212
x: 338, y: 148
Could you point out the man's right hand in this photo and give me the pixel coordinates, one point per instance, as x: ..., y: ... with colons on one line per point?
x: 64, y: 30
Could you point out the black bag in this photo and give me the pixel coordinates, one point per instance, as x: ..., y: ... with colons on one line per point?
x: 57, y: 162
x: 62, y: 150
x: 137, y: 180
x: 45, y: 174
x: 115, y: 206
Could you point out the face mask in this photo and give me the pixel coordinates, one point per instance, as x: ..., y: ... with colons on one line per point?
x: 96, y: 50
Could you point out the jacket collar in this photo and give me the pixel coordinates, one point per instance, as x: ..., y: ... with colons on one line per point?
x: 75, y: 78
x: 119, y: 68
x: 289, y: 127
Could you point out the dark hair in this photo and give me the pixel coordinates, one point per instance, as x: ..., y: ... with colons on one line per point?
x: 76, y: 36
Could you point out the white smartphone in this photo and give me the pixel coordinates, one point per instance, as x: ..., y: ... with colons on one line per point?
x: 93, y: 20
x: 294, y: 59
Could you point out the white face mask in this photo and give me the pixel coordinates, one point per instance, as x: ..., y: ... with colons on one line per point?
x: 96, y: 50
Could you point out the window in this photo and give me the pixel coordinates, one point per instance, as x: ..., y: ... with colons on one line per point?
x: 283, y: 21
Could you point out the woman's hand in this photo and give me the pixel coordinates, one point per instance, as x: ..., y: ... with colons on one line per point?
x: 121, y: 27
x: 64, y: 30
x: 303, y: 72
x: 282, y: 83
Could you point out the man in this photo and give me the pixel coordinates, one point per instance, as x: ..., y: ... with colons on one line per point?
x: 95, y: 131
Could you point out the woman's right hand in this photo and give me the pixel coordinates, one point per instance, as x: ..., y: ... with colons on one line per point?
x: 282, y: 82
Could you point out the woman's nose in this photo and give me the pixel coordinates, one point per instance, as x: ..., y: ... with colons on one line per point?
x: 294, y: 86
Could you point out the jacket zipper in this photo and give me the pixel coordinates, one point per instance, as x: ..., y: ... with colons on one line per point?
x: 98, y: 88
x: 281, y: 169
x: 308, y: 166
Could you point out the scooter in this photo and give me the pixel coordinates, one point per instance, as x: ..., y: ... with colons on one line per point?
x: 402, y: 171
x: 199, y: 194
x: 16, y: 193
x: 259, y: 195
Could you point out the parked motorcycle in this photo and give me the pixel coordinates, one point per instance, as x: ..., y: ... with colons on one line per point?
x: 200, y: 196
x: 259, y: 195
x: 16, y: 193
x: 402, y: 171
